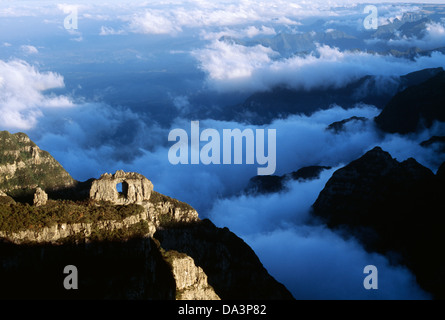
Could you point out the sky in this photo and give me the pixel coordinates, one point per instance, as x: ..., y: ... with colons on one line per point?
x: 104, y: 96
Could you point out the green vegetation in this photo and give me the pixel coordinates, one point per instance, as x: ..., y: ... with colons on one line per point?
x: 166, y: 219
x: 157, y: 197
x: 137, y: 230
x: 15, y: 217
x: 12, y: 146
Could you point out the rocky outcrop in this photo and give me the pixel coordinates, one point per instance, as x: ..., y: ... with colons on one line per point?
x: 191, y: 281
x: 394, y: 208
x: 232, y: 267
x: 60, y: 231
x: 135, y: 188
x: 40, y: 197
x: 24, y: 167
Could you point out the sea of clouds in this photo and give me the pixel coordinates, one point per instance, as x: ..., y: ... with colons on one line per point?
x: 93, y: 137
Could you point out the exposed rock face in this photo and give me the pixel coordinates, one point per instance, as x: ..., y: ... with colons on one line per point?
x: 191, y: 281
x: 391, y: 207
x: 135, y: 188
x: 232, y: 267
x: 24, y: 167
x: 40, y: 197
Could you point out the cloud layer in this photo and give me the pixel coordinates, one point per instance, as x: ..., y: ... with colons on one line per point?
x: 311, y: 260
x: 22, y: 97
x: 234, y: 67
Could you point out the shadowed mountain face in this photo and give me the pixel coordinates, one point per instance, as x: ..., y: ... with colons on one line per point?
x: 392, y: 208
x: 280, y: 102
x: 132, y: 269
x: 419, y: 106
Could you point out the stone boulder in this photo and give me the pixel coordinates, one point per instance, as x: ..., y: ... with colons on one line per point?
x: 135, y: 188
x: 40, y: 197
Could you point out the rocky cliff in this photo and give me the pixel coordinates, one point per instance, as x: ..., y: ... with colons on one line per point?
x: 133, y: 244
x: 25, y: 167
x: 395, y: 208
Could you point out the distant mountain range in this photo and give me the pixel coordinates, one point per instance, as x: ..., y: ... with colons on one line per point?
x: 280, y: 102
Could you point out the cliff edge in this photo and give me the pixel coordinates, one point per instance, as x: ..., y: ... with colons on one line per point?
x: 130, y: 244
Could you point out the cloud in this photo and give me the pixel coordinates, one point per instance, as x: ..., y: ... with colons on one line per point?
x: 22, y: 97
x: 312, y: 261
x: 227, y: 62
x: 95, y: 138
x: 248, y: 32
x: 106, y: 31
x: 309, y: 259
x: 315, y: 263
x: 434, y: 37
x: 233, y: 67
x: 27, y: 49
x: 154, y: 22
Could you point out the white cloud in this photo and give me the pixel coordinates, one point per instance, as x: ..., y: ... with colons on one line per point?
x: 105, y: 31
x: 305, y: 256
x: 27, y: 49
x: 235, y: 67
x: 434, y: 38
x: 231, y: 62
x: 154, y: 22
x: 249, y: 32
x: 21, y: 94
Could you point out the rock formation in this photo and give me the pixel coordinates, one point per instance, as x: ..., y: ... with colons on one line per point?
x: 232, y: 267
x: 135, y: 188
x: 24, y: 167
x: 40, y: 197
x: 191, y: 281
x: 119, y: 257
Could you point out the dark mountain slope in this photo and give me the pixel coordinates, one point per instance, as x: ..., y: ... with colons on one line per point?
x: 394, y: 208
x: 415, y: 108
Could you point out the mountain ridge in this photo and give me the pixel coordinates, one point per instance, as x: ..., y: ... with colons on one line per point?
x: 111, y: 238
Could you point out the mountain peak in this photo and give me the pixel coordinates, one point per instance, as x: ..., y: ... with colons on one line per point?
x: 24, y: 167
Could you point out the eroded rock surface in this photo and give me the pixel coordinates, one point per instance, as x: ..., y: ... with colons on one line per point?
x: 40, y: 197
x: 135, y: 188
